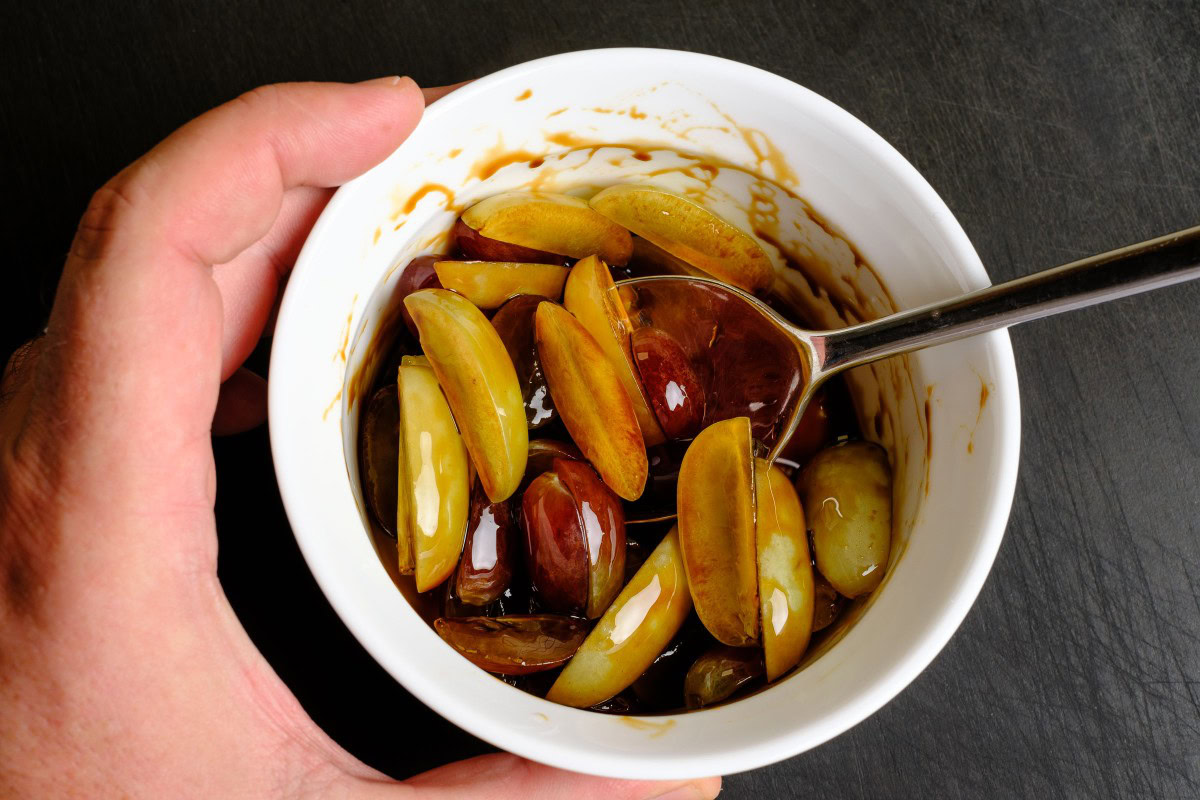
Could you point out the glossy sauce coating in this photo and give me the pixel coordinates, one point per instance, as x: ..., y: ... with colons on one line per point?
x: 634, y: 630
x: 785, y: 575
x: 379, y: 451
x: 478, y: 247
x: 577, y: 566
x: 720, y: 673
x: 479, y: 381
x: 589, y: 396
x: 716, y: 530
x: 514, y: 323
x: 433, y: 492
x: 671, y: 384
x: 556, y: 551
x: 847, y: 490
x: 514, y: 645
x: 542, y: 455
x: 603, y: 524
x: 485, y: 569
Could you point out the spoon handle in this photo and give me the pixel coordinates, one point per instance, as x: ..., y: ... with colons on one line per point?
x: 1169, y: 259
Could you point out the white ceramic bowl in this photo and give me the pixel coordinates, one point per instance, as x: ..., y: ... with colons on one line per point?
x: 949, y: 416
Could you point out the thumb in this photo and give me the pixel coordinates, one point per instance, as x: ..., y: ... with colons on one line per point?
x: 503, y: 776
x: 133, y: 359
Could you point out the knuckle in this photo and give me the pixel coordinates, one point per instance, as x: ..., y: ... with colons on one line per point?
x: 106, y: 216
x: 259, y: 98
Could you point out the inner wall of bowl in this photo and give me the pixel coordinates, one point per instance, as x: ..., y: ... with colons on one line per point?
x: 820, y: 272
x: 339, y: 294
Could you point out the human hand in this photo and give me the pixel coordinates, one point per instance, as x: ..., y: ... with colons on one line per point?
x: 123, y: 670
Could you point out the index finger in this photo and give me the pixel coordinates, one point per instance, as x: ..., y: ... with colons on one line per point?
x: 137, y: 323
x: 213, y: 187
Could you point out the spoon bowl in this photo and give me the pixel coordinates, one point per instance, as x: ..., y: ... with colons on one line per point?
x: 749, y: 360
x: 752, y: 362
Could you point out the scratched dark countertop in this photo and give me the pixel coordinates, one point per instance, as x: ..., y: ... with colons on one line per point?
x: 1052, y: 131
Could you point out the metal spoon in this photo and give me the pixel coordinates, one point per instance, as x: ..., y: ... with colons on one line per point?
x: 693, y: 309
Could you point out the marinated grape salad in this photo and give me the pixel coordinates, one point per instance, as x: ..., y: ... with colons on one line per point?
x: 579, y: 503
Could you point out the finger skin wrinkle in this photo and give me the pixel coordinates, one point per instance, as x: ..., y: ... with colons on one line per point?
x: 105, y: 219
x: 268, y: 103
x: 28, y: 546
x: 16, y: 378
x: 14, y: 370
x: 271, y: 257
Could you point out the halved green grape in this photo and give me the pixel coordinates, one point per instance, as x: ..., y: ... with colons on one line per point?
x: 587, y: 295
x: 488, y: 284
x: 785, y: 576
x: 716, y: 530
x: 847, y: 491
x: 720, y: 673
x: 551, y: 223
x: 634, y: 630
x: 432, y: 511
x: 689, y: 231
x: 590, y: 399
x: 480, y: 384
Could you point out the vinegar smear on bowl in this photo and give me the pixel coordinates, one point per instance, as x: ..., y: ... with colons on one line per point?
x: 589, y: 494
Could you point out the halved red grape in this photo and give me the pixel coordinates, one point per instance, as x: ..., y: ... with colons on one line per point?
x: 419, y: 274
x: 486, y: 566
x: 474, y: 245
x: 827, y: 602
x: 514, y: 323
x: 672, y: 385
x: 556, y: 553
x: 603, y: 524
x: 514, y: 645
x: 379, y: 437
x: 575, y: 539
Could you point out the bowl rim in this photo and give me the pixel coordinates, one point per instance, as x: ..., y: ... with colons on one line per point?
x: 551, y: 750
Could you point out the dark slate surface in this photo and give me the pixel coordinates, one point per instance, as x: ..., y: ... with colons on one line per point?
x: 1051, y: 130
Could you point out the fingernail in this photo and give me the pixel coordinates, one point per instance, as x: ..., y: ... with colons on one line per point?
x: 390, y: 80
